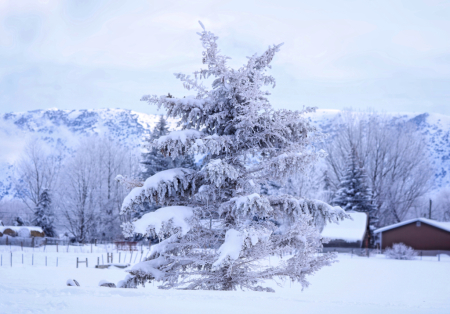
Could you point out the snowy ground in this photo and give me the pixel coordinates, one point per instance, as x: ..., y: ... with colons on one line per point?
x: 353, y: 285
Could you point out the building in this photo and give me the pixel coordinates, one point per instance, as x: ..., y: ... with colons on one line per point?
x: 348, y: 233
x: 22, y: 231
x: 418, y: 233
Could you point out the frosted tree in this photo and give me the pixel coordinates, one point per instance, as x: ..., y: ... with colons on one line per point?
x: 37, y: 169
x: 216, y: 230
x: 154, y: 161
x: 400, y: 251
x: 89, y: 197
x: 353, y: 193
x: 43, y: 214
x: 394, y: 154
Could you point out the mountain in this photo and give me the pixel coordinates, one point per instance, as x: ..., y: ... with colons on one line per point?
x: 435, y: 127
x: 64, y: 129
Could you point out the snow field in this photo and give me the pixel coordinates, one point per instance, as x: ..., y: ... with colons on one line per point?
x: 352, y: 285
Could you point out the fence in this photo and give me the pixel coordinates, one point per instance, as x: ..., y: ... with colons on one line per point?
x: 73, y: 259
x: 372, y: 252
x: 23, y: 242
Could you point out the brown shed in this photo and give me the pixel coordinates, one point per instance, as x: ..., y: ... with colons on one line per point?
x: 419, y: 233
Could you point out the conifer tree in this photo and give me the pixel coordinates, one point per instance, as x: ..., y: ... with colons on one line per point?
x: 353, y: 193
x: 154, y: 161
x: 217, y: 229
x: 43, y: 214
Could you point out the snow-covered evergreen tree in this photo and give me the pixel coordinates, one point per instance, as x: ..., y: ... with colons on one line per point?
x: 217, y: 230
x: 154, y: 161
x: 43, y: 214
x: 19, y: 221
x: 354, y: 193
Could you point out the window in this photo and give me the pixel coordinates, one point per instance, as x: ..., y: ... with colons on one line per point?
x: 418, y: 224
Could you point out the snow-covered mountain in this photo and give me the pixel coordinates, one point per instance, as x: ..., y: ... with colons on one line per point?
x: 64, y: 128
x: 435, y: 127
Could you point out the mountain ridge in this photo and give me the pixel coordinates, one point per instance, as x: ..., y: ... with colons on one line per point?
x: 64, y: 129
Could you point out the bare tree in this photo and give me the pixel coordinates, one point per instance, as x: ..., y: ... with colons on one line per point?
x: 91, y: 197
x: 38, y: 169
x: 113, y: 159
x: 393, y: 153
x: 435, y: 205
x: 79, y: 192
x: 442, y: 205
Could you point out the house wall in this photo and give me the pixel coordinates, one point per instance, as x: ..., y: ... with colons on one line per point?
x: 424, y: 237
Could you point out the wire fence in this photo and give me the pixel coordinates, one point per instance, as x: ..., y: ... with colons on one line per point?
x: 59, y: 244
x: 78, y: 259
x: 437, y: 254
x: 91, y: 255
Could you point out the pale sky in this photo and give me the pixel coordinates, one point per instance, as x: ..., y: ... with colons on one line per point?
x: 386, y: 55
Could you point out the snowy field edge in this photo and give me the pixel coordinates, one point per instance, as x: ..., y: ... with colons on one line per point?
x: 358, y: 284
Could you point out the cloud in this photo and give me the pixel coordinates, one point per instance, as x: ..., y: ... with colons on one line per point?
x: 94, y: 54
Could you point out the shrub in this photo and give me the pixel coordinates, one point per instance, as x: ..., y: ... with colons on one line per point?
x: 400, y: 251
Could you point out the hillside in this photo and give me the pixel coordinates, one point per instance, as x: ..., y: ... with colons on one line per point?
x: 64, y: 128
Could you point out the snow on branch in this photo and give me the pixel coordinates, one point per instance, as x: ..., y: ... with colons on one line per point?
x: 296, y: 207
x: 217, y: 171
x: 237, y: 241
x: 181, y: 136
x: 192, y: 142
x: 231, y: 248
x: 159, y: 187
x: 163, y: 221
x: 247, y: 207
x: 176, y: 143
x: 128, y: 183
x: 287, y: 164
x: 212, y: 144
